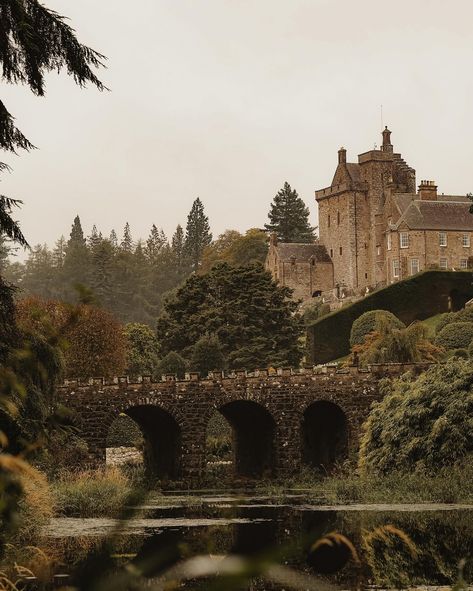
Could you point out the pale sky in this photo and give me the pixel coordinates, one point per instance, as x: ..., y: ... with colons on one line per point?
x: 227, y: 99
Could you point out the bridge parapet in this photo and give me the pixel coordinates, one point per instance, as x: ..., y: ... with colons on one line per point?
x: 376, y: 370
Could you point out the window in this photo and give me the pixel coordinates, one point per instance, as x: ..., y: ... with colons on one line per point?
x: 378, y: 250
x: 338, y: 218
x: 463, y: 263
x: 331, y: 253
x: 466, y: 240
x: 396, y: 268
x: 328, y: 221
x: 442, y: 238
x: 443, y: 263
x: 404, y: 239
x: 389, y: 241
x: 341, y: 251
x: 414, y: 266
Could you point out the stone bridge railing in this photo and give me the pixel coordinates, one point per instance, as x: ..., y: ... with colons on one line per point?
x: 281, y: 418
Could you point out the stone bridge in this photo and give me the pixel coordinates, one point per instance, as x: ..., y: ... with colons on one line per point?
x: 280, y: 421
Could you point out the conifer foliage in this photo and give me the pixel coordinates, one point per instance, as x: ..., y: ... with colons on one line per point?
x: 198, y: 234
x: 289, y: 217
x: 33, y: 41
x: 252, y: 317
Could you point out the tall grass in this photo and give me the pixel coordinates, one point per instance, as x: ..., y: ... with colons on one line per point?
x: 93, y: 493
x: 453, y: 484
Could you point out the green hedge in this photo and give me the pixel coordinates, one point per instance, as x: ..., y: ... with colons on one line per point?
x: 456, y: 335
x: 417, y: 298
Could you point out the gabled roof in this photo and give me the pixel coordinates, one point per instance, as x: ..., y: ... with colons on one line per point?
x: 448, y: 212
x: 302, y: 252
x: 347, y: 172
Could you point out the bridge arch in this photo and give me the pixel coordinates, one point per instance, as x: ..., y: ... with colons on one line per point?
x: 253, y: 437
x: 324, y: 435
x: 162, y: 437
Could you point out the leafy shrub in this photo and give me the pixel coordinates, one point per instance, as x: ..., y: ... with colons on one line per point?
x: 124, y: 432
x: 456, y: 335
x: 313, y: 310
x: 446, y: 319
x: 367, y: 322
x: 172, y: 363
x: 142, y: 346
x: 459, y: 353
x: 419, y: 297
x: 207, y: 355
x: 421, y: 424
x: 388, y: 344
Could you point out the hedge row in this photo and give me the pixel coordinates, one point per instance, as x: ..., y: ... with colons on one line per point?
x: 417, y: 298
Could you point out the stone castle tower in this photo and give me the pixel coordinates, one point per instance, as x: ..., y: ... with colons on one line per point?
x: 351, y: 213
x: 375, y: 228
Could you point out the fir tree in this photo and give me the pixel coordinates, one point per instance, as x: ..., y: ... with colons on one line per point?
x: 59, y: 253
x: 198, y: 234
x: 127, y: 241
x: 76, y: 260
x: 155, y: 243
x: 113, y: 239
x: 289, y: 217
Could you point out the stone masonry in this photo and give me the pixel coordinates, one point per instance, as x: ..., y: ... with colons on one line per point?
x: 279, y: 421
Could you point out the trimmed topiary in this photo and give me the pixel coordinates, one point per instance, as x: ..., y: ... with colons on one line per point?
x: 417, y: 298
x: 459, y: 353
x: 422, y: 424
x: 447, y: 318
x: 456, y: 335
x: 367, y: 322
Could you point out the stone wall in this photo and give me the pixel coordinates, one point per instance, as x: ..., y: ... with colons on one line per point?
x: 268, y: 413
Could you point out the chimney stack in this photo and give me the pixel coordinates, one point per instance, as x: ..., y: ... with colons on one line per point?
x: 342, y: 156
x: 428, y: 191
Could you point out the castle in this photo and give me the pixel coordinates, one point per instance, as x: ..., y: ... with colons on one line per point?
x: 375, y: 229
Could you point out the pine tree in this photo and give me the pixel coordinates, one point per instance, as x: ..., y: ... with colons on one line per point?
x: 113, y: 239
x: 155, y: 243
x: 59, y: 253
x: 198, y: 234
x: 126, y: 244
x: 76, y: 261
x: 289, y: 217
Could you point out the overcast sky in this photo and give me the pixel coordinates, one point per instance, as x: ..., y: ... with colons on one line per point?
x: 227, y: 99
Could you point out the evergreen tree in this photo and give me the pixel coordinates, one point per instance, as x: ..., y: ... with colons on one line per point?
x: 59, y: 252
x: 101, y: 272
x: 113, y: 239
x: 155, y: 243
x: 289, y: 217
x: 127, y: 241
x: 39, y: 275
x: 76, y: 260
x: 198, y: 234
x: 253, y: 317
x: 35, y: 40
x: 207, y: 355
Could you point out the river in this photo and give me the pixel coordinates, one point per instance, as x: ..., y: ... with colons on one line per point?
x: 393, y: 545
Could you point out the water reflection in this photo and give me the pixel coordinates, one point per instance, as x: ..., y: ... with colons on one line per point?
x: 398, y: 548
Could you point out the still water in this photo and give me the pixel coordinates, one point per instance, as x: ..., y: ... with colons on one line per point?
x: 393, y: 545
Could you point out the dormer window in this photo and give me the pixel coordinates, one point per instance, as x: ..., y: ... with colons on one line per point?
x: 404, y: 239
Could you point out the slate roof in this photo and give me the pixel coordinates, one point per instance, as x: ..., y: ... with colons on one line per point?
x: 449, y: 212
x: 354, y: 171
x: 302, y: 252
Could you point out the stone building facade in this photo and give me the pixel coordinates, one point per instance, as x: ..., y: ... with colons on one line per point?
x: 376, y: 228
x: 305, y: 268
